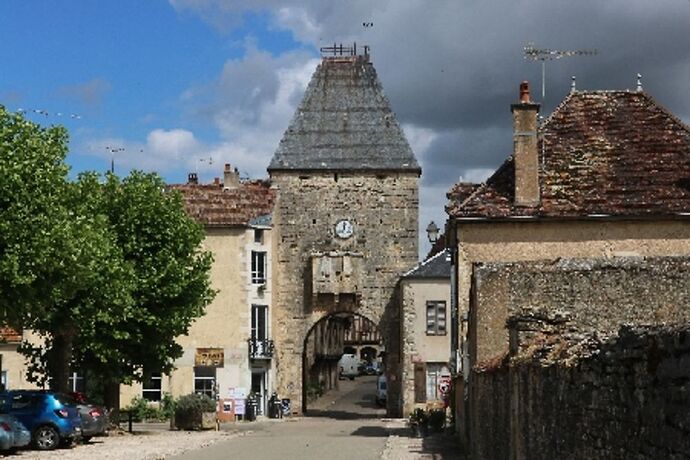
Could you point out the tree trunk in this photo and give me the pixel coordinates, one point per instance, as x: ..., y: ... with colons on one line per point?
x: 59, y: 359
x: 111, y: 399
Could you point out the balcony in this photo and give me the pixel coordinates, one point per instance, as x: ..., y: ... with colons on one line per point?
x: 261, y: 348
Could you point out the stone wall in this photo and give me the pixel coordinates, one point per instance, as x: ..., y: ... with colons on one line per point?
x: 592, y: 360
x: 581, y: 396
x: 384, y: 210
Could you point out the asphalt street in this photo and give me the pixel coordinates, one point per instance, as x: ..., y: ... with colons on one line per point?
x: 342, y: 425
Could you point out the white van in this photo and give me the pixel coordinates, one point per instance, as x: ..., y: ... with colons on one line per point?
x: 348, y: 366
x: 381, y: 390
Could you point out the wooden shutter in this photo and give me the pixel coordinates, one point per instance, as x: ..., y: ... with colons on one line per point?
x: 420, y: 382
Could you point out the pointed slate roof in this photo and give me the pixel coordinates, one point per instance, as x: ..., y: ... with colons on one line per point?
x: 344, y: 123
x: 602, y: 154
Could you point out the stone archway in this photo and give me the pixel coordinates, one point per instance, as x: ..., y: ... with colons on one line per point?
x: 325, y: 343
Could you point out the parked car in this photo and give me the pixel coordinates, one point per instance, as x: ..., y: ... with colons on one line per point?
x: 94, y: 418
x: 348, y: 366
x: 13, y: 434
x: 52, y: 418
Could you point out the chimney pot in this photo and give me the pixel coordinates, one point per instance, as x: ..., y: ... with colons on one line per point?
x: 231, y: 177
x: 525, y: 149
x: 524, y: 92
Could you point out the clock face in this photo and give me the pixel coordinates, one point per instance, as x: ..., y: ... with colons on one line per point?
x: 344, y: 228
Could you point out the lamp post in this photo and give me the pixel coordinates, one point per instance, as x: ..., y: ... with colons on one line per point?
x: 432, y: 232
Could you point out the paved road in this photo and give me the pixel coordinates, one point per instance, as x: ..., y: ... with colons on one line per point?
x: 342, y: 425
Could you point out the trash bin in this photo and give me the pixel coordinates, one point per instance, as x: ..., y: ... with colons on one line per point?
x: 251, y: 409
x: 275, y: 407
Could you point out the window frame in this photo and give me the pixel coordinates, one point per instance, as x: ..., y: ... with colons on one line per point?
x: 439, y: 323
x: 210, y: 392
x: 146, y: 391
x: 258, y: 267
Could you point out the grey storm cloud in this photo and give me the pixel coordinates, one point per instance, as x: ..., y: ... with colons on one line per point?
x: 452, y: 67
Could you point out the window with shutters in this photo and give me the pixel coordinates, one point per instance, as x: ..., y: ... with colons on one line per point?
x: 436, y: 317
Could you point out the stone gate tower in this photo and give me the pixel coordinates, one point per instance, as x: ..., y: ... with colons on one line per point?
x: 346, y: 215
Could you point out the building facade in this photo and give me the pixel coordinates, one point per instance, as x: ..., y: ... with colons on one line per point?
x: 229, y: 350
x: 425, y: 333
x: 346, y: 216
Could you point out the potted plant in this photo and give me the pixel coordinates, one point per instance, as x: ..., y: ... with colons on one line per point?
x: 437, y: 419
x: 419, y: 423
x: 195, y: 412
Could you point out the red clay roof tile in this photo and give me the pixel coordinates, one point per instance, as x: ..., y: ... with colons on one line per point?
x: 614, y: 153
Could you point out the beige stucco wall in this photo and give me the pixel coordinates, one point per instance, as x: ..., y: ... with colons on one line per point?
x: 15, y: 364
x: 521, y: 241
x: 227, y: 321
x: 417, y: 346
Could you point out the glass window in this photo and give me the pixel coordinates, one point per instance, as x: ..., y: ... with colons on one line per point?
x: 205, y: 381
x: 258, y: 267
x: 436, y: 317
x: 151, y: 389
x: 259, y: 322
x: 433, y: 372
x: 258, y: 235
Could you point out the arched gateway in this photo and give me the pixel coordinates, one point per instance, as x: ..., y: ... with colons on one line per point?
x: 325, y: 343
x: 346, y: 215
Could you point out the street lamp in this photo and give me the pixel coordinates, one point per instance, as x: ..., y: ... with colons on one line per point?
x: 432, y: 232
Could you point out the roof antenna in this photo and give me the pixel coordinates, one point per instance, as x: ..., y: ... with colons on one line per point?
x: 639, y: 82
x: 543, y: 55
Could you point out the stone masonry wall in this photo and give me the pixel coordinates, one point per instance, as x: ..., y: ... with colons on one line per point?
x: 384, y: 210
x: 582, y: 396
x: 592, y: 360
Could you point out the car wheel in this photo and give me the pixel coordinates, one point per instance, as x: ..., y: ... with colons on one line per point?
x: 46, y: 438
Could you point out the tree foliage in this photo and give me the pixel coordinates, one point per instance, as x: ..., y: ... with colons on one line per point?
x: 107, y: 271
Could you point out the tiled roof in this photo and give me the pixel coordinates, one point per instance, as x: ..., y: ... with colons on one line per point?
x: 615, y: 153
x: 344, y: 122
x: 214, y: 206
x: 437, y: 266
x: 7, y: 334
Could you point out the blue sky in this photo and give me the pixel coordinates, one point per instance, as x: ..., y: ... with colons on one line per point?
x: 188, y: 85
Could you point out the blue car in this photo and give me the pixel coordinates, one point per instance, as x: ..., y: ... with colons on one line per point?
x: 52, y: 418
x: 13, y: 434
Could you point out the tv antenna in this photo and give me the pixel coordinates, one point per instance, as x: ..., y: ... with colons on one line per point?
x: 543, y: 55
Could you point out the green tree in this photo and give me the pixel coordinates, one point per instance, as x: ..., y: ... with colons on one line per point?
x: 33, y: 218
x: 161, y: 245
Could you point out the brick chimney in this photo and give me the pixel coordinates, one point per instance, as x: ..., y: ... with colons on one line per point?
x: 525, y: 150
x: 231, y: 177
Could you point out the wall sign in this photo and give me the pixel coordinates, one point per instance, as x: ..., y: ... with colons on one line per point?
x: 209, y: 357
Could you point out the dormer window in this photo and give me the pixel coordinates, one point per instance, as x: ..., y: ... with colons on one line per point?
x: 258, y: 235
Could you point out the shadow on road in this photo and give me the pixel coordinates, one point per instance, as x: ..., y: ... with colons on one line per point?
x: 340, y: 414
x: 379, y: 432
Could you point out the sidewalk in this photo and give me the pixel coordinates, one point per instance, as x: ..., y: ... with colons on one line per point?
x: 401, y: 446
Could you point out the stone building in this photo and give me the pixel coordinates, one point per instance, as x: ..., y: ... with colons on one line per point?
x: 346, y: 214
x: 424, y: 332
x: 230, y: 347
x: 605, y: 176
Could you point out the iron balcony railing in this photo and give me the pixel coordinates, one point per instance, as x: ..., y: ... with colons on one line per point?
x: 261, y: 348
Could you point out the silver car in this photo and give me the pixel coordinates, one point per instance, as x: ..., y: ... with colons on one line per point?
x: 13, y: 434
